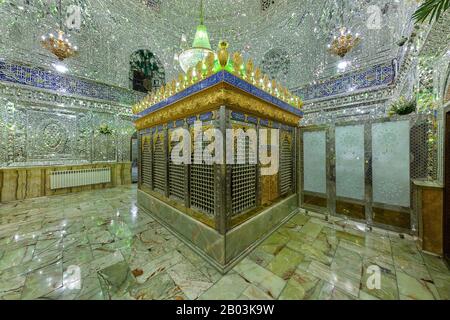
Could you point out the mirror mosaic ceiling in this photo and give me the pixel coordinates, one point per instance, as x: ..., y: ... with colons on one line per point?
x: 286, y: 33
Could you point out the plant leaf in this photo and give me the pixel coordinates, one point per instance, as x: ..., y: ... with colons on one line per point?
x: 431, y: 10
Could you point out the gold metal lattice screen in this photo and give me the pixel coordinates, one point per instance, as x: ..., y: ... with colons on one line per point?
x: 202, y: 184
x: 243, y: 179
x: 423, y: 150
x: 146, y: 163
x: 286, y: 164
x: 159, y: 164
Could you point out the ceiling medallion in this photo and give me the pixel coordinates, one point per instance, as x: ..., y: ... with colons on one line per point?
x: 59, y: 45
x: 344, y: 42
x: 200, y: 46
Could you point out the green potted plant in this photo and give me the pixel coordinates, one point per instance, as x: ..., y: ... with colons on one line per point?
x: 105, y: 129
x: 402, y: 107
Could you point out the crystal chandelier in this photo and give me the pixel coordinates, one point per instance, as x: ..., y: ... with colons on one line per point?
x: 59, y: 45
x: 344, y: 41
x: 200, y: 46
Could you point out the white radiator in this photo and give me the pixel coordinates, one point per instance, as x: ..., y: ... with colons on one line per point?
x: 76, y: 178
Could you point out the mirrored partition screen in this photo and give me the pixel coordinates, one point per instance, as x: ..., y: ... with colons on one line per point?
x: 350, y: 161
x: 314, y: 161
x: 390, y: 163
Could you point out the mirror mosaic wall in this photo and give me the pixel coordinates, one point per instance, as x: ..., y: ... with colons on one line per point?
x: 43, y: 128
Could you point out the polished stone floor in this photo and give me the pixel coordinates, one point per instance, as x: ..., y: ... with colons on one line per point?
x: 99, y: 245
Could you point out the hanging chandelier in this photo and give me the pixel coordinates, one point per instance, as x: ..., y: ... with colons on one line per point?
x: 344, y: 41
x: 59, y: 45
x: 200, y: 46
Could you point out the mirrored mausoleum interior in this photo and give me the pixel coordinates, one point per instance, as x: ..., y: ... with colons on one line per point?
x: 224, y: 150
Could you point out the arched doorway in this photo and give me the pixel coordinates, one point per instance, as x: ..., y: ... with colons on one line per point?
x: 146, y: 71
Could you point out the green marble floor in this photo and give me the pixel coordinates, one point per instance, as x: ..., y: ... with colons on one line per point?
x: 99, y: 245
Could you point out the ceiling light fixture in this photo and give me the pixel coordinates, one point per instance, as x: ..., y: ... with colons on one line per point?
x: 200, y: 46
x: 59, y: 44
x: 344, y: 41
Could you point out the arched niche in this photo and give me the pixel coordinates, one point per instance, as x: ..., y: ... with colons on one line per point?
x: 146, y: 71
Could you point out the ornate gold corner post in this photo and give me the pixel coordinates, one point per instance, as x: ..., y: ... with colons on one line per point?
x: 221, y: 181
x: 228, y: 167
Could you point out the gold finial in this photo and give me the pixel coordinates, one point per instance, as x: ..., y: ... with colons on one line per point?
x: 189, y: 77
x: 180, y: 81
x: 257, y: 77
x: 249, y: 70
x: 223, y: 54
x: 289, y: 96
x: 173, y: 86
x: 167, y: 90
x: 161, y: 93
x: 280, y: 91
x: 209, y: 62
x: 238, y: 62
x: 266, y: 82
x: 273, y: 87
x: 286, y: 94
x: 199, y: 70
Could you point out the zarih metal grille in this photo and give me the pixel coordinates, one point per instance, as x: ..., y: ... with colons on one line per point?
x: 159, y: 164
x: 202, y: 184
x: 243, y: 179
x: 177, y: 181
x: 286, y: 164
x: 146, y: 161
x: 419, y: 150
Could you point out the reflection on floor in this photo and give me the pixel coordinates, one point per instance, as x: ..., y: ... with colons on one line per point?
x: 120, y: 252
